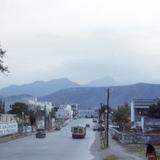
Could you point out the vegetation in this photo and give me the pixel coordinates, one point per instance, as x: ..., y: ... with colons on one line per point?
x: 154, y: 110
x: 121, y: 117
x: 141, y: 149
x: 3, y: 68
x: 111, y: 157
x: 2, y: 106
x: 21, y: 110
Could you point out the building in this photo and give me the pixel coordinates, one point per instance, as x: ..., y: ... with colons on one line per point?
x: 88, y: 113
x: 8, y: 118
x: 64, y: 111
x: 139, y: 114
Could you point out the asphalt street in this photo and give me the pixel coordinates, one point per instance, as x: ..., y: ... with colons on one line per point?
x: 57, y: 145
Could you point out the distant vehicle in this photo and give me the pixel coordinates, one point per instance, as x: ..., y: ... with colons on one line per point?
x: 78, y: 131
x: 95, y: 120
x: 57, y: 128
x: 87, y: 125
x: 98, y: 128
x: 40, y: 133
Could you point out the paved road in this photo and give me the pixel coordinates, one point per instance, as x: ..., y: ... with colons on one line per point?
x: 57, y: 145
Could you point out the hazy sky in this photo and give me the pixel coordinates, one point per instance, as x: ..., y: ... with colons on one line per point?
x: 80, y: 39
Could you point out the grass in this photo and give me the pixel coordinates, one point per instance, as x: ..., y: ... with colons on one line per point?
x: 141, y: 149
x: 111, y: 157
x: 135, y: 149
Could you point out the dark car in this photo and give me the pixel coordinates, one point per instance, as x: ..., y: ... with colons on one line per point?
x: 98, y: 128
x: 40, y: 133
x: 57, y: 128
x: 95, y: 120
x: 87, y: 125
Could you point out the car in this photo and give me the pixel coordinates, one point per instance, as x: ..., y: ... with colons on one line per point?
x: 87, y: 125
x: 94, y: 120
x: 57, y: 128
x: 40, y: 133
x: 98, y: 128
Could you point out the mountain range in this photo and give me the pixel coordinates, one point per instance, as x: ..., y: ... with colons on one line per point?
x: 38, y: 88
x: 92, y: 96
x: 62, y: 91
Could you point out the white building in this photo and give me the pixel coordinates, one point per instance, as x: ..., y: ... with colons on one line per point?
x: 34, y: 103
x: 88, y: 113
x: 139, y: 111
x: 64, y: 111
x: 8, y: 118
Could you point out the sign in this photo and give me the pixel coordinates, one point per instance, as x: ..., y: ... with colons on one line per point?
x: 8, y: 128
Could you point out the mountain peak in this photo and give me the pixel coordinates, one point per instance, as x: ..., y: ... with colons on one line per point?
x: 38, y: 88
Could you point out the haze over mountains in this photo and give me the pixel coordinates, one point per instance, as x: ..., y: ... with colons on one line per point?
x: 104, y: 81
x: 63, y: 91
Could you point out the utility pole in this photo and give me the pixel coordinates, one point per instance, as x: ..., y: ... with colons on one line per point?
x: 45, y: 127
x: 107, y: 118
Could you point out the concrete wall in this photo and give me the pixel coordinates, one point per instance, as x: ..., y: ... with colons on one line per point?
x: 134, y: 138
x: 8, y: 128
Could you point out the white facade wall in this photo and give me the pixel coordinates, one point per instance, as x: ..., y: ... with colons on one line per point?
x: 8, y: 128
x: 65, y: 112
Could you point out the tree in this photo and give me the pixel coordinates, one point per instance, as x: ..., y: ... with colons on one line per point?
x: 3, y: 68
x: 154, y: 110
x: 2, y: 106
x: 19, y: 108
x: 121, y: 116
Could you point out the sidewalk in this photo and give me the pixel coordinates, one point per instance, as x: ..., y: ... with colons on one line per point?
x: 114, y: 149
x: 15, y: 136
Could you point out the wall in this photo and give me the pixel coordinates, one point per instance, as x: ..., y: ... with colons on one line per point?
x: 134, y: 138
x: 8, y: 128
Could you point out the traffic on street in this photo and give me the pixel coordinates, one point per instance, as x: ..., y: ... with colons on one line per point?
x: 57, y: 145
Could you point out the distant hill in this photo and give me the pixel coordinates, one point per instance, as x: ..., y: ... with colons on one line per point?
x: 38, y: 88
x: 102, y: 82
x: 93, y: 96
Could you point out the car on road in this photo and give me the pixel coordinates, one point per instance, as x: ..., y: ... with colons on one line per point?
x: 57, y: 128
x: 95, y: 120
x: 40, y: 133
x: 98, y: 128
x: 87, y: 125
x: 78, y: 131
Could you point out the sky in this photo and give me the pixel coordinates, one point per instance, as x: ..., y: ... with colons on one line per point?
x: 80, y: 39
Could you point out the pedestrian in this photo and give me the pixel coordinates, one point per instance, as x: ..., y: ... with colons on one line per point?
x: 150, y: 152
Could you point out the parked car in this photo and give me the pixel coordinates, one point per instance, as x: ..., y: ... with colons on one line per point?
x: 40, y: 133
